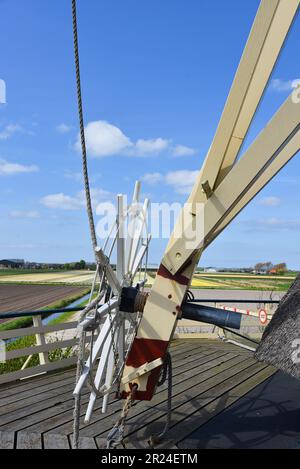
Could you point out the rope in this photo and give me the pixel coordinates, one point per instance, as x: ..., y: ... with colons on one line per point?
x: 81, y: 345
x: 116, y: 435
x: 166, y: 374
x: 82, y: 135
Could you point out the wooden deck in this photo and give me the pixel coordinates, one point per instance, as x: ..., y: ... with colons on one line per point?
x: 208, y: 376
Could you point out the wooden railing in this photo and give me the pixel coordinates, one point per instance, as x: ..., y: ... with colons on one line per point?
x: 42, y: 347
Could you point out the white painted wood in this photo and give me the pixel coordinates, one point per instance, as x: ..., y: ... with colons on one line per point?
x: 267, y: 36
x: 110, y: 274
x: 4, y: 335
x: 40, y: 340
x: 10, y: 354
x: 105, y: 360
x: 111, y: 365
x: 140, y: 223
x: 278, y: 141
x: 140, y: 256
x: 136, y: 192
x: 227, y: 185
x: 97, y: 347
x: 101, y: 311
x: 36, y: 370
x: 131, y: 223
x: 120, y: 239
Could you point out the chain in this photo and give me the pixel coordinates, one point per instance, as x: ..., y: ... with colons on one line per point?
x: 116, y: 435
x: 115, y: 352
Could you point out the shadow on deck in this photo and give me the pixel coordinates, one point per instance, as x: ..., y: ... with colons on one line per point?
x: 208, y: 377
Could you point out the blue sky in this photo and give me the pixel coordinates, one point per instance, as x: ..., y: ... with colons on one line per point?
x: 155, y: 77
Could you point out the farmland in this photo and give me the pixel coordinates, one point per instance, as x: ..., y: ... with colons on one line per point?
x: 32, y: 297
x: 233, y: 281
x: 225, y: 281
x: 80, y: 277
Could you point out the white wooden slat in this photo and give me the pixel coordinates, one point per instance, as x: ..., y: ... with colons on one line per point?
x: 40, y: 369
x: 10, y: 354
x: 37, y: 330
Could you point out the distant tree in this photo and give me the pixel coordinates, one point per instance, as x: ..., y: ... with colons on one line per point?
x: 281, y: 268
x: 81, y: 265
x: 268, y: 266
x: 263, y: 266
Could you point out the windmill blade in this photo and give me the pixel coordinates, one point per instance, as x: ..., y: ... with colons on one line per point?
x: 105, y: 364
x: 269, y: 31
x: 274, y: 167
x: 278, y: 142
x: 120, y: 239
x: 140, y: 255
x: 111, y: 364
x: 137, y: 231
x: 110, y: 274
x: 135, y: 201
x: 101, y: 340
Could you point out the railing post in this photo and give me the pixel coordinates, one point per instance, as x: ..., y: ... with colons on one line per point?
x: 40, y: 340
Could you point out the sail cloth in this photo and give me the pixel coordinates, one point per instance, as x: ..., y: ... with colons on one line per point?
x: 280, y: 344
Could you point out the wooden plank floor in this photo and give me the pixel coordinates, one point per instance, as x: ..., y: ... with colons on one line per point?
x: 208, y: 376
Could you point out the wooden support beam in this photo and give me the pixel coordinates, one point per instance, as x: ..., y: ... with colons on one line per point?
x: 267, y: 36
x: 272, y: 149
x: 222, y: 188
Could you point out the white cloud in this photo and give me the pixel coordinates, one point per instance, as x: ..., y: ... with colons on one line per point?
x: 9, y: 169
x: 63, y: 201
x: 9, y: 130
x: 182, y: 181
x: 154, y: 146
x: 281, y: 86
x: 63, y: 128
x: 104, y: 139
x: 270, y: 201
x: 182, y: 150
x: 152, y: 178
x: 271, y: 225
x: 24, y: 214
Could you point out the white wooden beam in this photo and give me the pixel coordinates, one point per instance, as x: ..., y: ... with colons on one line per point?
x: 268, y: 33
x: 249, y: 174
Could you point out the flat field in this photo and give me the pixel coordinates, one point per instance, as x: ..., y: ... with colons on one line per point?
x: 225, y: 281
x: 71, y: 277
x: 228, y: 281
x: 32, y: 297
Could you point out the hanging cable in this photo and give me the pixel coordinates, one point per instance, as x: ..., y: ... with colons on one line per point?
x: 82, y: 134
x: 165, y: 374
x: 81, y: 344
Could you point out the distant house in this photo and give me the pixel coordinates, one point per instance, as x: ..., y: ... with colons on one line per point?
x: 12, y: 263
x: 210, y: 270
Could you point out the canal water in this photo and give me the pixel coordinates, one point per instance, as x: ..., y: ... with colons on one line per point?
x: 76, y: 303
